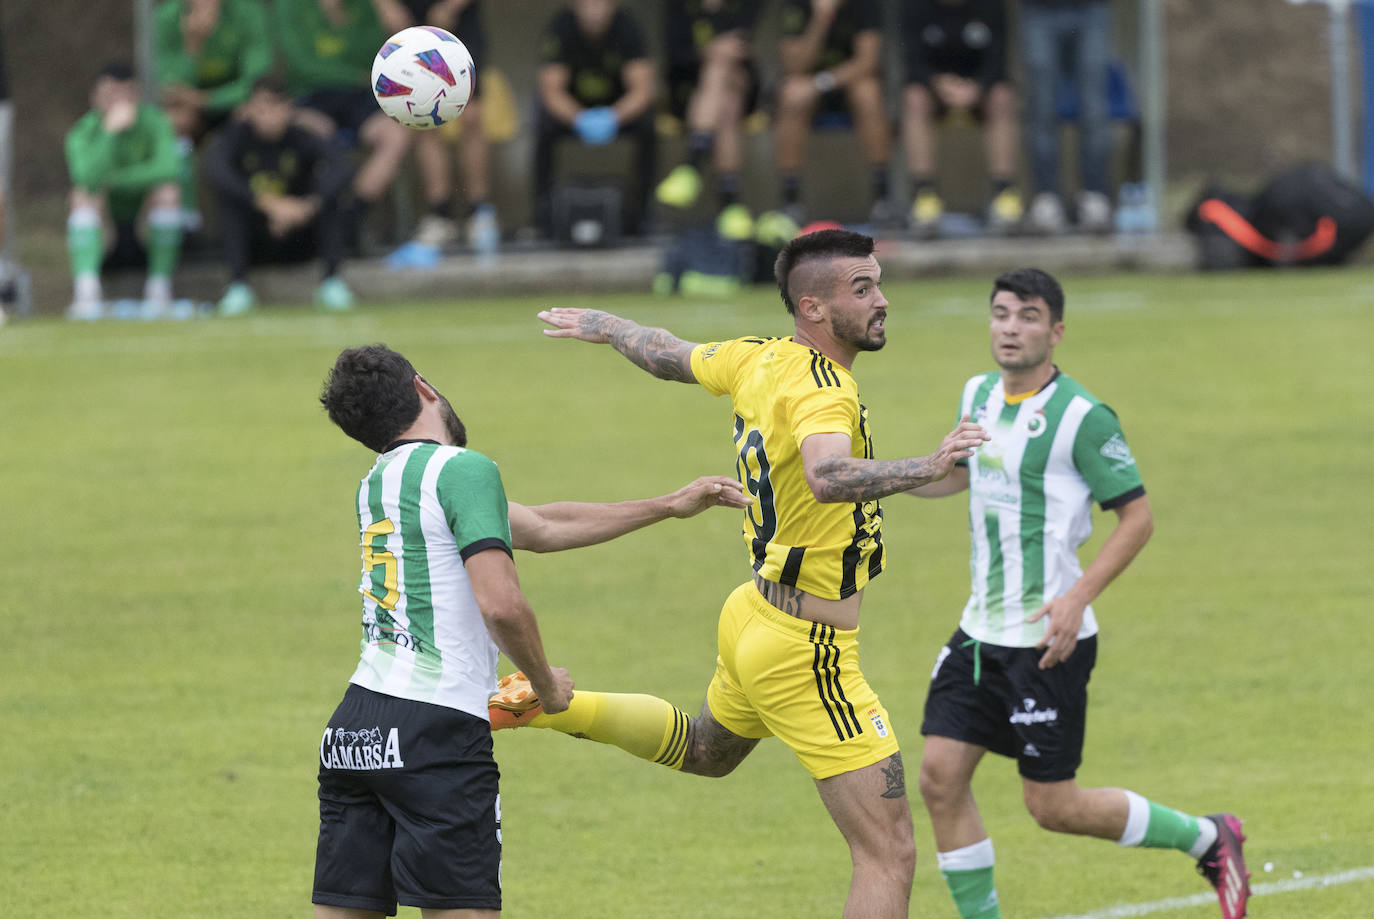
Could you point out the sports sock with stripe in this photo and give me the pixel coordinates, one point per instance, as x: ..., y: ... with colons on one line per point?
x: 968, y: 874
x: 645, y: 726
x: 164, y: 241
x: 84, y: 245
x: 1154, y: 826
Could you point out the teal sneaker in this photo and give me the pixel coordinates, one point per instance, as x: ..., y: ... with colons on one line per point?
x: 680, y: 188
x: 735, y: 223
x: 334, y: 296
x: 238, y: 299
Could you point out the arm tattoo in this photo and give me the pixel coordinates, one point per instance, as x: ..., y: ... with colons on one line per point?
x: 786, y: 598
x: 658, y: 351
x: 847, y: 478
x: 895, y: 774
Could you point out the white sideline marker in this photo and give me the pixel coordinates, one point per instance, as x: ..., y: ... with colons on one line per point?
x: 1256, y: 890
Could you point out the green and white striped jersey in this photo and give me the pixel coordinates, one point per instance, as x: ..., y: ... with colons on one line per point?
x: 1031, y: 489
x: 423, y: 509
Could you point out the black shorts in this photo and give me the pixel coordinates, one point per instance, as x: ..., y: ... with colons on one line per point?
x: 348, y: 108
x: 410, y: 810
x: 979, y: 111
x: 1014, y: 708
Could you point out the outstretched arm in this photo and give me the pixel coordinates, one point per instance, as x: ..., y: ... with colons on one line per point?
x: 658, y: 351
x: 571, y: 524
x: 836, y: 476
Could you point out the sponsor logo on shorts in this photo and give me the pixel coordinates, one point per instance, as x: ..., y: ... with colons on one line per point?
x: 1031, y: 716
x: 876, y: 717
x: 367, y: 749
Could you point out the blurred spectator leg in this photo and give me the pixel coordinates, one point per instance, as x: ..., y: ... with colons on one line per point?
x: 474, y: 150
x: 237, y: 228
x: 797, y: 98
x: 1040, y: 47
x: 434, y: 164
x: 548, y: 131
x: 85, y: 250
x: 1002, y: 140
x: 865, y: 98
x: 1094, y: 125
x: 642, y: 133
x: 164, y: 248
x: 386, y: 143
x: 920, y: 140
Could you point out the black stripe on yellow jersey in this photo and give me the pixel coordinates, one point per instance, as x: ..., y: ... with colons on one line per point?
x: 782, y: 393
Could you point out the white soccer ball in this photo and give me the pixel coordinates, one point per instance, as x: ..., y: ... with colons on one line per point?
x: 423, y: 77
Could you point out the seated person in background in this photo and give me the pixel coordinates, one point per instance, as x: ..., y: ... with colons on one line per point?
x: 122, y: 158
x: 437, y: 227
x: 956, y: 63
x: 279, y: 188
x: 712, y: 84
x: 328, y: 46
x: 595, y: 81
x: 207, y: 54
x: 831, y: 61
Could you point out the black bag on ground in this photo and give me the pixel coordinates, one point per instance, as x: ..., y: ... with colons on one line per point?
x: 1307, y: 215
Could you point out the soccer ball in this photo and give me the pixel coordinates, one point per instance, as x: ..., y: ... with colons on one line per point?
x: 423, y: 77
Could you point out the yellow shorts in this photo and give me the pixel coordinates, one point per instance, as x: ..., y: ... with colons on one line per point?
x: 799, y: 681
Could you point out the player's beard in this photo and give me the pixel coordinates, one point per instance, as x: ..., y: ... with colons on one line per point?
x: 859, y: 332
x: 457, y: 434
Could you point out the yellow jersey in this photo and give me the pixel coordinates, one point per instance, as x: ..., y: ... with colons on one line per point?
x: 782, y: 393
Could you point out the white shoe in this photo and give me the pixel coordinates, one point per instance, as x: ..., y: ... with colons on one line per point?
x: 1046, y: 215
x: 436, y: 231
x: 1094, y: 212
x: 484, y: 232
x: 86, y: 309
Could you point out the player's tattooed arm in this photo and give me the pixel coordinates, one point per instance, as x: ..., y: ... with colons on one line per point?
x: 786, y: 598
x: 894, y: 774
x: 657, y: 351
x: 836, y: 476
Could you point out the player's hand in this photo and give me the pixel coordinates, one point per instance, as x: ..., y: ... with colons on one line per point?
x: 958, y: 444
x: 957, y: 92
x: 1066, y: 617
x: 556, y: 696
x: 120, y: 116
x: 583, y: 324
x: 707, y: 491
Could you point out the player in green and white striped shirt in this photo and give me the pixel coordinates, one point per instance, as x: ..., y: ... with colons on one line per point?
x: 1014, y: 677
x: 409, y: 800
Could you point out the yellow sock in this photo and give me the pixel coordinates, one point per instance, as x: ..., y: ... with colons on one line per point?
x: 645, y: 726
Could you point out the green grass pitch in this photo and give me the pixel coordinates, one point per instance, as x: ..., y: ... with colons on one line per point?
x: 180, y: 561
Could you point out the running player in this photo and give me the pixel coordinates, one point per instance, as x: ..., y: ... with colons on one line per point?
x: 1014, y: 678
x: 409, y: 805
x: 788, y: 663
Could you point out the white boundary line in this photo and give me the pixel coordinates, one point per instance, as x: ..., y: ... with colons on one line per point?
x: 1256, y: 890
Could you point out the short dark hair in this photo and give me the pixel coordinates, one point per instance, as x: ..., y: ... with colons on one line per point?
x: 1029, y: 283
x: 116, y: 70
x: 818, y: 245
x: 370, y: 394
x: 273, y: 84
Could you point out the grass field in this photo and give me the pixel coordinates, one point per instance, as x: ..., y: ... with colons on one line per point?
x: 180, y: 555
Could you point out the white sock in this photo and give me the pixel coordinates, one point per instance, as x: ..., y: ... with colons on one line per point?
x: 87, y: 287
x: 1136, y: 820
x: 158, y: 290
x: 969, y: 858
x: 1207, y: 834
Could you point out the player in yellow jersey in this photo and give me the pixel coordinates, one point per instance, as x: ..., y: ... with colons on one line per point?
x: 788, y: 638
